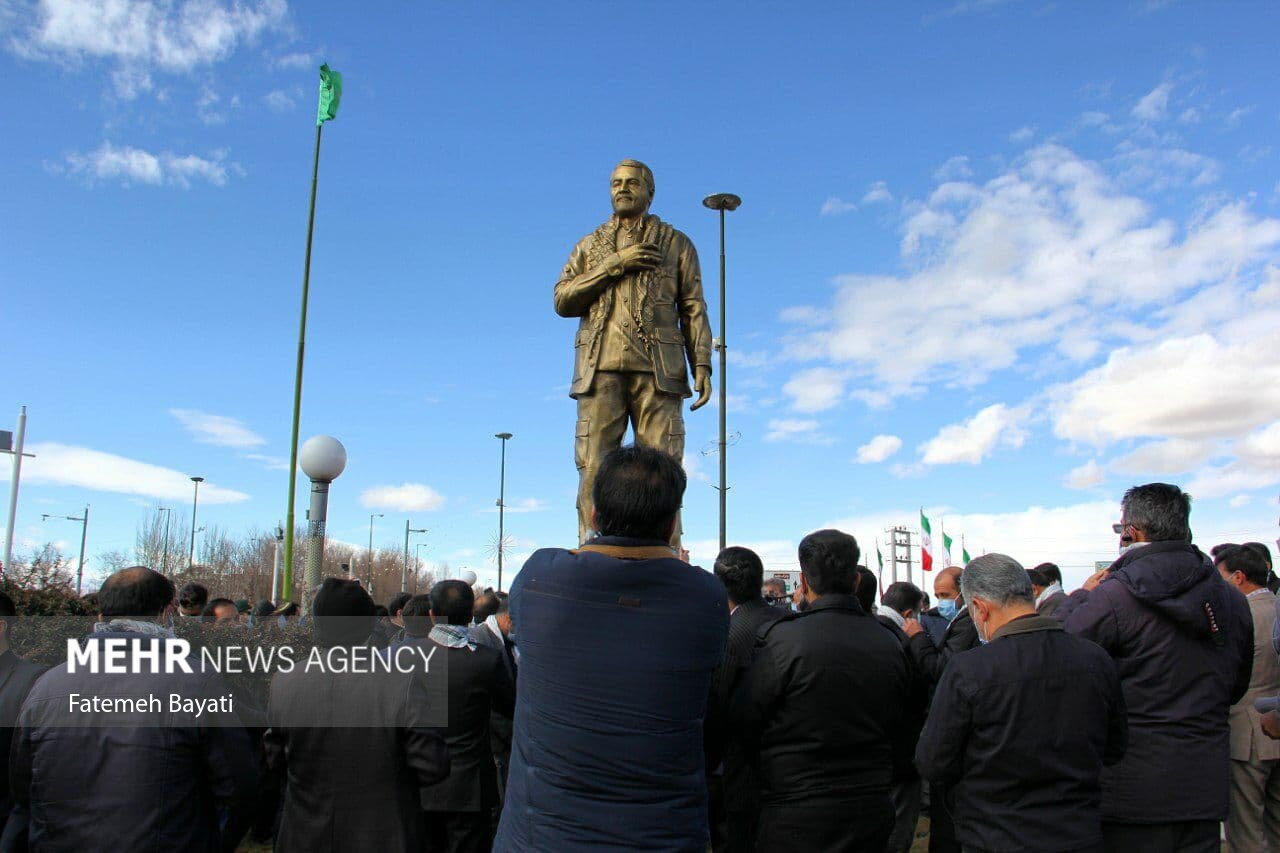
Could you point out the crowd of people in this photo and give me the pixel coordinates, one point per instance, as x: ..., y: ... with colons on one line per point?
x: 619, y: 698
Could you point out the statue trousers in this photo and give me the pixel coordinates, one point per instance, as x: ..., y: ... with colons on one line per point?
x: 616, y: 399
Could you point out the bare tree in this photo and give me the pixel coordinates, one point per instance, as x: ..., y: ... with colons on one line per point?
x: 43, y: 568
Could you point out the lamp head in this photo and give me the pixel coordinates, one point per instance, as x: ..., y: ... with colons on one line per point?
x: 322, y: 458
x: 502, y: 435
x: 722, y: 201
x: 197, y: 479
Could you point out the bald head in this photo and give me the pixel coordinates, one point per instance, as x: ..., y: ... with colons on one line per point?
x: 947, y: 584
x: 135, y: 593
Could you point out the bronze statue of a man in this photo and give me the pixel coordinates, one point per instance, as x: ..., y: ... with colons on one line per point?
x: 636, y: 284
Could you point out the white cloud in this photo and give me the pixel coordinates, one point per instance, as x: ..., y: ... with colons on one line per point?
x: 877, y: 194
x: 693, y: 469
x: 271, y: 463
x: 794, y: 429
x: 1187, y: 388
x: 1235, y: 116
x: 815, y: 390
x: 1086, y: 476
x: 776, y: 554
x: 66, y: 465
x: 954, y: 169
x: 879, y: 449
x: 1256, y: 466
x: 1239, y: 501
x: 1159, y: 168
x: 296, y: 61
x: 407, y: 497
x: 217, y: 429
x: 973, y: 440
x: 1170, y: 456
x: 140, y: 35
x: 1023, y: 134
x: 834, y: 206
x: 132, y: 165
x: 279, y: 101
x: 1155, y: 104
x: 1050, y: 252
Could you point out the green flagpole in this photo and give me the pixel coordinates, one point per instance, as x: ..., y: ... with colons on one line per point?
x: 330, y: 94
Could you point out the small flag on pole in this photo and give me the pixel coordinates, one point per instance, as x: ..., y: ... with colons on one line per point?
x: 926, y: 542
x: 946, y: 546
x: 330, y: 95
x: 964, y: 552
x: 880, y: 566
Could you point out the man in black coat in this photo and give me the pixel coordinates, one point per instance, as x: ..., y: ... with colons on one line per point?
x: 1021, y: 727
x: 1183, y: 642
x: 931, y: 662
x: 822, y: 713
x: 495, y: 632
x: 734, y: 792
x: 16, y: 678
x: 356, y: 748
x: 460, y: 808
x: 900, y: 602
x: 119, y: 772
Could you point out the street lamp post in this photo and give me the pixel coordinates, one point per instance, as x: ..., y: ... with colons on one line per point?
x: 404, y: 574
x: 502, y: 497
x: 84, y: 535
x: 417, y: 565
x: 275, y: 564
x: 722, y: 202
x: 13, y: 445
x: 322, y: 458
x: 372, y: 516
x: 195, y: 501
x: 164, y: 560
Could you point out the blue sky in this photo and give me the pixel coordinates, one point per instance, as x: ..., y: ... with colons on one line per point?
x: 999, y: 259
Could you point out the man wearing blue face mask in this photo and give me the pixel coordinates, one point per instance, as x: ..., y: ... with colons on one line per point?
x: 931, y: 660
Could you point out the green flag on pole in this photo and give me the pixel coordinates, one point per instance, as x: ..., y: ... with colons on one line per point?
x: 964, y: 552
x: 946, y: 544
x: 330, y: 95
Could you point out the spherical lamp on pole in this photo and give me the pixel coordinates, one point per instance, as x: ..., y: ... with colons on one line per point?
x: 322, y: 458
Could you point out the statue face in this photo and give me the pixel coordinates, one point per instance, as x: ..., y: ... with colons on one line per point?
x: 629, y: 191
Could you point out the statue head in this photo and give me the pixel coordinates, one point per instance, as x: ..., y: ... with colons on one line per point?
x: 631, y: 188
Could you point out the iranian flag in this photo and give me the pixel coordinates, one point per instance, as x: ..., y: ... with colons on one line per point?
x: 946, y: 547
x: 926, y: 542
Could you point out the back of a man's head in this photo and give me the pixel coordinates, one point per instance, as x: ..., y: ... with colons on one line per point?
x: 135, y: 593
x: 343, y: 613
x: 192, y: 598
x: 998, y: 579
x: 1263, y: 552
x: 864, y: 588
x: 828, y: 559
x: 417, y: 616
x: 452, y: 602
x: 1051, y: 572
x: 396, y: 605
x: 741, y: 572
x: 637, y: 493
x: 486, y: 605
x: 1242, y: 559
x: 1160, y: 510
x: 902, y: 596
x: 8, y: 613
x: 1037, y: 578
x: 220, y: 610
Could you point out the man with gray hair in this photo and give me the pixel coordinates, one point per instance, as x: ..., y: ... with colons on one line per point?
x: 1021, y: 726
x: 1183, y: 642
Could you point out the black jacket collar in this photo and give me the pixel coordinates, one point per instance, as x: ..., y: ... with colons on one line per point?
x: 835, y: 601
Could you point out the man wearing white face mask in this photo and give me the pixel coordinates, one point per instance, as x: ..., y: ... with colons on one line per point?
x: 1020, y: 729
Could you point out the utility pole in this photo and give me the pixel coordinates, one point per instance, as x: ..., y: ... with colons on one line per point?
x: 502, y: 500
x: 899, y: 550
x: 9, y: 443
x: 404, y: 575
x: 195, y: 502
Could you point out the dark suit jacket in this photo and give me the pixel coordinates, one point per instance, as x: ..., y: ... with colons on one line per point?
x: 16, y: 678
x: 348, y: 788
x: 822, y: 713
x: 499, y: 726
x: 1052, y: 603
x: 931, y: 660
x: 478, y: 687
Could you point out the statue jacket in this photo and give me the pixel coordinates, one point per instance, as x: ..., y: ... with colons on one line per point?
x: 666, y: 318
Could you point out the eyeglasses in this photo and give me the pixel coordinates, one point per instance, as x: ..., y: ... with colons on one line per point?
x: 1119, y: 527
